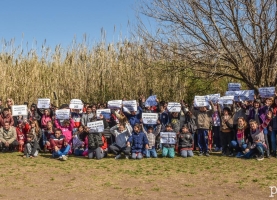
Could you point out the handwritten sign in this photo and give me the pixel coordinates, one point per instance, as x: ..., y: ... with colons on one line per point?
x: 266, y: 92
x: 43, y: 103
x: 76, y: 104
x: 151, y: 101
x: 168, y: 137
x: 213, y: 97
x: 173, y: 107
x: 105, y: 112
x: 18, y: 110
x: 97, y: 126
x: 63, y: 114
x: 234, y: 86
x: 242, y: 95
x: 226, y: 100
x: 115, y: 104
x: 149, y: 118
x: 129, y: 106
x: 200, y: 101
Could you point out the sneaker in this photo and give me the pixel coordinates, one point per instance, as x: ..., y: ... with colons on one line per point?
x: 216, y: 149
x: 118, y: 156
x: 231, y: 155
x: 259, y: 158
x: 239, y: 155
x: 64, y: 158
x: 127, y: 157
x: 60, y: 158
x: 207, y: 154
x: 200, y: 154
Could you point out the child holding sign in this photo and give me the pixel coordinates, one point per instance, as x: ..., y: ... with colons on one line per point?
x: 168, y: 146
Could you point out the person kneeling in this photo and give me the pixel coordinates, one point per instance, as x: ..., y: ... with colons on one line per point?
x: 185, y: 142
x: 31, y: 147
x: 60, y: 147
x: 137, y: 141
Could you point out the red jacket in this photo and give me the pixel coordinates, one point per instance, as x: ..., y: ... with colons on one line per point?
x: 22, y: 133
x: 59, y: 142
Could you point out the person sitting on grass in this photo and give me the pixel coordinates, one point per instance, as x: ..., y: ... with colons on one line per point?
x: 31, y: 147
x: 258, y: 146
x: 8, y: 137
x: 185, y: 142
x: 138, y: 141
x: 121, y: 132
x: 60, y: 147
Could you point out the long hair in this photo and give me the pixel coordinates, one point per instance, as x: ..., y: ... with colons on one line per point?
x: 37, y: 129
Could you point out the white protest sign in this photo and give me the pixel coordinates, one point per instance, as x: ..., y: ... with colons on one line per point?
x: 76, y: 104
x: 234, y: 86
x: 97, y: 126
x: 105, y: 112
x: 266, y: 92
x: 129, y: 106
x: 168, y: 137
x: 62, y: 114
x: 18, y: 110
x: 149, y: 118
x: 173, y: 107
x: 114, y: 104
x: 226, y: 100
x: 200, y: 101
x: 213, y: 97
x: 242, y: 95
x: 43, y: 103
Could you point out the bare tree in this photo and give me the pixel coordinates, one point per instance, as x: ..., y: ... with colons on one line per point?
x: 219, y: 38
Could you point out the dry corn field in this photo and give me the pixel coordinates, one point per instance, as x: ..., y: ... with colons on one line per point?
x: 96, y: 74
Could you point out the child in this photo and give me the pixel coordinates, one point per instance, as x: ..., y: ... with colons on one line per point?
x: 31, y: 147
x: 151, y: 136
x: 46, y: 117
x: 78, y: 146
x: 46, y: 134
x: 21, y: 130
x: 168, y: 148
x: 35, y: 130
x: 258, y: 146
x: 121, y: 132
x: 137, y: 142
x: 59, y: 145
x: 66, y: 127
x: 185, y: 142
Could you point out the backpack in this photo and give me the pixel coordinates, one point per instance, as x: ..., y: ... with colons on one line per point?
x: 95, y: 140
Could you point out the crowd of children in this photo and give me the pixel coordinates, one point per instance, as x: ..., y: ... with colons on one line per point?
x: 245, y: 130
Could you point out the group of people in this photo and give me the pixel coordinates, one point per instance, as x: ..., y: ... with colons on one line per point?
x: 244, y: 129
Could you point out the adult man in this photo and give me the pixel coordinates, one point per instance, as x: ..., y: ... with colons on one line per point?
x: 8, y: 137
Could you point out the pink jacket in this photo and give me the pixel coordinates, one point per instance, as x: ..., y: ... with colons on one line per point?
x: 44, y: 120
x: 67, y: 131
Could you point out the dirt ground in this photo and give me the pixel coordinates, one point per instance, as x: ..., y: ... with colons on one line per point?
x: 213, y: 177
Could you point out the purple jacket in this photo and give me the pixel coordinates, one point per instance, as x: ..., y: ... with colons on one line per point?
x: 261, y: 113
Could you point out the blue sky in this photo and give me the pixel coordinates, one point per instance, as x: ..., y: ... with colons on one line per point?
x: 60, y: 21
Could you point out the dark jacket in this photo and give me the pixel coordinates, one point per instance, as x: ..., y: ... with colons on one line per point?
x: 34, y: 146
x: 138, y: 141
x: 185, y: 141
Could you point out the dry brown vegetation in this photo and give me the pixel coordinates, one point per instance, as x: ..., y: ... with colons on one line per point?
x: 98, y: 73
x: 213, y: 177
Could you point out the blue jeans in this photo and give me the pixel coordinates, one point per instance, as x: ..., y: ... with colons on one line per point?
x: 62, y: 152
x: 259, y: 149
x: 235, y: 145
x: 273, y: 140
x: 186, y: 153
x: 216, y: 136
x: 202, y: 139
x: 78, y: 152
x: 151, y: 153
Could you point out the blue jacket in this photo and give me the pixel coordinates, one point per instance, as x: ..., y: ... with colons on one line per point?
x: 138, y: 142
x: 134, y: 119
x: 164, y: 118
